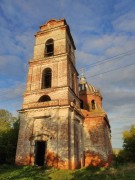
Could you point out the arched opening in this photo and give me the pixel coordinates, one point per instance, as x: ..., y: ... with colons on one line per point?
x: 81, y: 104
x: 40, y: 152
x: 44, y: 98
x: 93, y: 104
x: 82, y: 87
x: 49, y: 47
x: 47, y: 78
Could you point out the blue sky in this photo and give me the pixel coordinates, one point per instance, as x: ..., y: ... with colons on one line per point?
x: 104, y: 34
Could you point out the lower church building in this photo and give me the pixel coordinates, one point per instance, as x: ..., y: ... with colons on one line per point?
x: 62, y: 122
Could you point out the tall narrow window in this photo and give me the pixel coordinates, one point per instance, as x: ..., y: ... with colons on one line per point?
x: 93, y: 104
x: 49, y: 47
x: 47, y: 78
x: 81, y: 104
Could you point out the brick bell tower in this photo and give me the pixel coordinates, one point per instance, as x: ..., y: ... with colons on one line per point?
x: 50, y: 119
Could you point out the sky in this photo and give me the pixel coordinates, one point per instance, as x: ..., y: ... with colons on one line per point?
x: 104, y: 35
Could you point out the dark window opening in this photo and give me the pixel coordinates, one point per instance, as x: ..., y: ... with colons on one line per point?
x: 81, y: 104
x: 82, y: 87
x: 93, y: 104
x: 47, y: 78
x: 40, y: 150
x: 49, y: 48
x: 44, y: 98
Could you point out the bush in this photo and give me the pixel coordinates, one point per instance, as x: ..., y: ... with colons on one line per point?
x: 9, y: 126
x: 129, y: 145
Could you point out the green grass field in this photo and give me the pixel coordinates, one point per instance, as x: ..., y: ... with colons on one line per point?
x: 123, y: 172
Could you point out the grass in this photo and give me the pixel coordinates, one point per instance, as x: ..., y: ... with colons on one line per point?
x: 123, y: 172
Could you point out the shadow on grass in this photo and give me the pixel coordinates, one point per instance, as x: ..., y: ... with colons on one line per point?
x: 24, y: 172
x: 124, y: 172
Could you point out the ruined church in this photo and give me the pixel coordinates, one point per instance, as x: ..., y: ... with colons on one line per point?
x: 62, y: 122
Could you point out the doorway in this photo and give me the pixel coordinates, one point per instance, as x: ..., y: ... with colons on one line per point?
x: 40, y: 151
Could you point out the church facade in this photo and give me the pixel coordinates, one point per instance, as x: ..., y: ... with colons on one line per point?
x: 62, y: 122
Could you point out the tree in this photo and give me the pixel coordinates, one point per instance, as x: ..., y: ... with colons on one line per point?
x: 129, y: 144
x: 6, y: 120
x: 9, y: 126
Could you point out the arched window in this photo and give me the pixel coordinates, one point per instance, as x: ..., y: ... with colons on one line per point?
x: 49, y: 47
x: 81, y: 104
x: 93, y: 104
x: 82, y: 87
x: 44, y: 98
x: 47, y: 78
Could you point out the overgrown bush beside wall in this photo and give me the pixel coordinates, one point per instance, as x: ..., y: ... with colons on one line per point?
x: 9, y: 126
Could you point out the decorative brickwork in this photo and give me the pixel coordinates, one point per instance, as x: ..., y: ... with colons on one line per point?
x: 52, y: 124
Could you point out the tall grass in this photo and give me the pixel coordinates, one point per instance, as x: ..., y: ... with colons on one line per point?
x: 119, y: 172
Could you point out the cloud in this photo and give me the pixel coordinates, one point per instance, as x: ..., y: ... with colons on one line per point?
x: 26, y: 41
x: 98, y: 43
x: 11, y: 66
x: 125, y: 23
x: 12, y: 92
x: 83, y: 59
x: 11, y: 97
x: 16, y: 44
